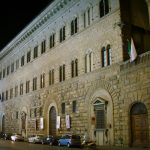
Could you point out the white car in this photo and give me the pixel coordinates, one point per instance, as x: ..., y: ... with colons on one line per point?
x: 17, y: 137
x: 35, y: 139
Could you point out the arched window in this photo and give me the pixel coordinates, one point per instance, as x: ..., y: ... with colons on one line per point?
x: 103, y: 7
x: 74, y: 68
x: 103, y: 54
x: 89, y: 62
x: 106, y: 56
x: 109, y: 57
x: 74, y: 26
x: 62, y: 73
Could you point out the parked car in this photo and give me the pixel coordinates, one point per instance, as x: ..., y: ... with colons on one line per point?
x: 70, y: 140
x: 7, y: 136
x: 17, y: 137
x: 35, y: 139
x: 2, y: 135
x: 51, y: 140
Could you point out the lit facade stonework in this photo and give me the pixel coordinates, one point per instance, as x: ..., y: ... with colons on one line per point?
x: 68, y: 72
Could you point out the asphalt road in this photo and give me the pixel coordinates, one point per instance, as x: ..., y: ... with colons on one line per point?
x: 10, y: 145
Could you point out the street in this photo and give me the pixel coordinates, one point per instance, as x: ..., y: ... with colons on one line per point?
x: 10, y: 145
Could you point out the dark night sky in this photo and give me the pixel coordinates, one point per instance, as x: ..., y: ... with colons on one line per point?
x: 17, y: 14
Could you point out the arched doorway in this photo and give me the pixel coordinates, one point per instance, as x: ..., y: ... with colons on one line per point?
x: 139, y: 125
x: 52, y: 121
x: 23, y: 123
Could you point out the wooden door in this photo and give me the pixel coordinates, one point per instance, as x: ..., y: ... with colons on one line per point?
x: 139, y: 130
x: 52, y: 121
x: 139, y: 125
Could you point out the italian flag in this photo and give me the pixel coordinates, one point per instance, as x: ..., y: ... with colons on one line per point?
x: 131, y: 50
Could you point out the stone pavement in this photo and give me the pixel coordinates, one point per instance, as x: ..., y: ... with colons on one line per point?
x: 117, y: 148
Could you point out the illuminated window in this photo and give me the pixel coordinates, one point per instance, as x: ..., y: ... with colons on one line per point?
x: 106, y: 54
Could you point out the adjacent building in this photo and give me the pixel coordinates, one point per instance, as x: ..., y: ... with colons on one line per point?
x: 69, y: 71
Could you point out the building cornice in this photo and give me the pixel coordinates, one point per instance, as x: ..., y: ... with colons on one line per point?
x: 39, y: 21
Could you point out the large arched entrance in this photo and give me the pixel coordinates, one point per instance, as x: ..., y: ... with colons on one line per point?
x: 139, y: 125
x: 52, y: 121
x: 100, y: 127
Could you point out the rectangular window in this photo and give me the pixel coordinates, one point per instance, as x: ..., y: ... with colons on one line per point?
x: 63, y: 108
x: 22, y: 61
x: 51, y: 77
x: 3, y: 73
x: 11, y: 93
x: 100, y: 119
x: 89, y: 17
x: 12, y: 67
x: 3, y: 96
x: 21, y: 89
x: 17, y: 115
x: 35, y: 54
x: 40, y: 112
x: 17, y: 64
x: 8, y: 69
x: 34, y: 83
x: 30, y: 113
x: 42, y: 81
x: 62, y: 34
x: 34, y: 112
x: 6, y: 95
x: 27, y: 86
x: 74, y: 106
x: 29, y: 56
x: 74, y: 68
x: 109, y: 53
x: 103, y: 55
x: 52, y: 40
x: 84, y: 19
x: 62, y: 73
x: 43, y: 47
x: 16, y: 91
x: 100, y: 115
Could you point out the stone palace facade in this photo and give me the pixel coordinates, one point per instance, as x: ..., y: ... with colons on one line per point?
x: 68, y: 71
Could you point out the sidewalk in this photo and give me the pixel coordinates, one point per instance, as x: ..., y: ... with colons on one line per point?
x: 116, y: 148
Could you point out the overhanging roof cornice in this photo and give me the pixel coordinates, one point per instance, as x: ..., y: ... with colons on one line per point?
x: 39, y: 21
